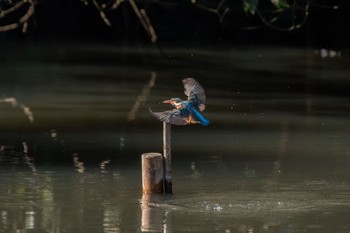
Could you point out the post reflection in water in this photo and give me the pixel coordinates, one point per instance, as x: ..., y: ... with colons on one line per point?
x: 154, y: 218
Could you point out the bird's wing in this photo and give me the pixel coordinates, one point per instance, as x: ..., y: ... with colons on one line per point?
x: 195, y: 93
x: 172, y: 117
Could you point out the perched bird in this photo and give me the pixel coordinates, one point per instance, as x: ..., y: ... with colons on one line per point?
x: 186, y: 112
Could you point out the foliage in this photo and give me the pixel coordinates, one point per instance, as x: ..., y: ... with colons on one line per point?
x: 250, y: 6
x: 285, y: 15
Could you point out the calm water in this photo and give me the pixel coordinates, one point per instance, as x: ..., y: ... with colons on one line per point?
x: 74, y: 122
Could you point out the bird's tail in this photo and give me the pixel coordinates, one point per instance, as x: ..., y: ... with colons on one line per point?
x: 204, y: 121
x: 199, y: 117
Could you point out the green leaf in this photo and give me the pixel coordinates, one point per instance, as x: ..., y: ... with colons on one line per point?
x: 250, y: 6
x: 280, y: 3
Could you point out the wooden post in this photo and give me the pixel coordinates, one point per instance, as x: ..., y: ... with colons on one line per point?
x: 168, y: 179
x: 152, y: 173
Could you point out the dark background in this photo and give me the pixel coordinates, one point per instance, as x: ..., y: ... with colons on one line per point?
x: 180, y: 23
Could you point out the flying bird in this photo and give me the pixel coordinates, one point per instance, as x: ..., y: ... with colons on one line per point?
x: 186, y: 112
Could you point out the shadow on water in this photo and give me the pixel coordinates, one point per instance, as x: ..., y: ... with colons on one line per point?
x: 74, y: 122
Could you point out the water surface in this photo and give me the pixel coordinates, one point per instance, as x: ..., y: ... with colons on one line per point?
x: 74, y: 122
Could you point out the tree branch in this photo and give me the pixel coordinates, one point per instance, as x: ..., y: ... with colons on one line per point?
x: 23, y: 20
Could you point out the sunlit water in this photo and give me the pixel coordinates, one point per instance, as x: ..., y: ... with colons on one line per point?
x: 74, y: 122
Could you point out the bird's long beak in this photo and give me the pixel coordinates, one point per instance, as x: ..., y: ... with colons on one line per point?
x: 167, y: 102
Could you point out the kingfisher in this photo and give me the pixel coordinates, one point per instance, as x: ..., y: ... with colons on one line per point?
x: 186, y: 112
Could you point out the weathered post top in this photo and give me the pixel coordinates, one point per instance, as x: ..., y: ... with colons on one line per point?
x: 152, y: 173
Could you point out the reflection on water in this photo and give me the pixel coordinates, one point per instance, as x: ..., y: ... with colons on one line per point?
x: 14, y: 103
x: 153, y: 218
x: 141, y: 99
x: 274, y: 159
x: 79, y: 166
x: 60, y: 200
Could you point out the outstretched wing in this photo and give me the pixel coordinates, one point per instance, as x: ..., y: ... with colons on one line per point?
x: 172, y: 117
x: 195, y: 93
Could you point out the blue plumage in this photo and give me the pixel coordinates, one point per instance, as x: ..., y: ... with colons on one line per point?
x: 195, y: 114
x: 186, y: 112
